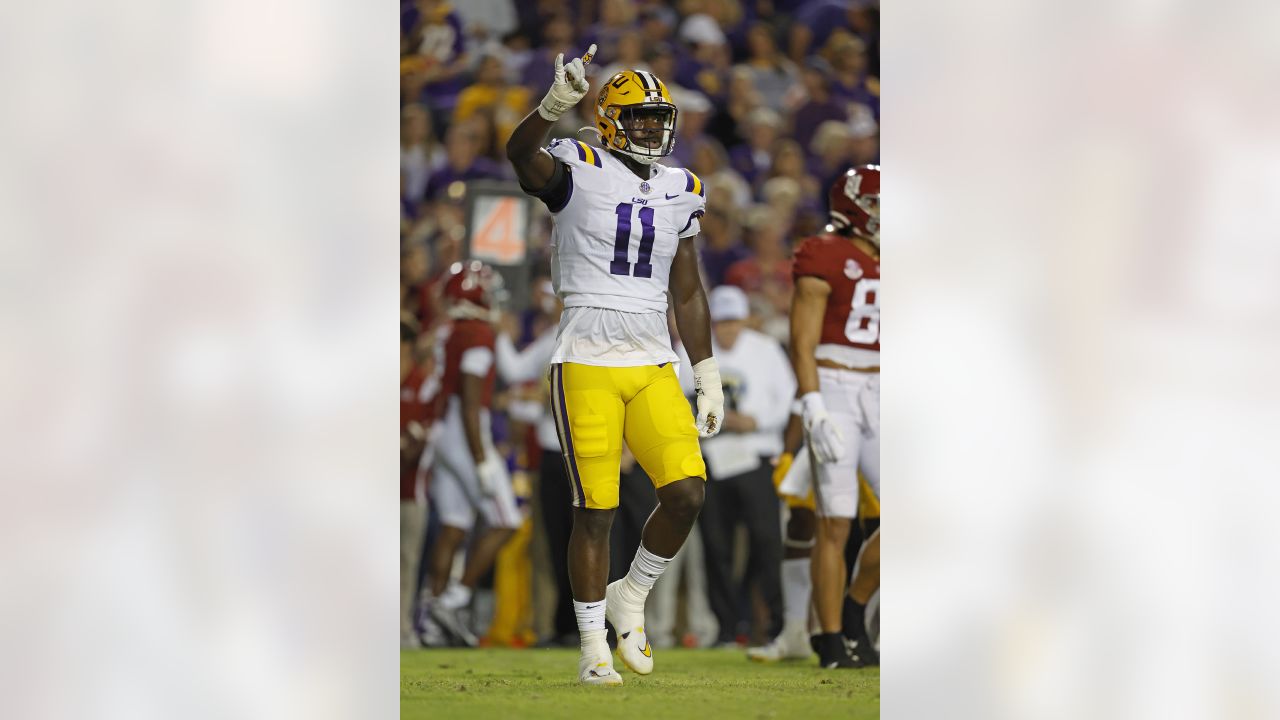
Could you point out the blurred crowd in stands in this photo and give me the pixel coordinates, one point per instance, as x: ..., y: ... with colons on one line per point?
x: 776, y: 99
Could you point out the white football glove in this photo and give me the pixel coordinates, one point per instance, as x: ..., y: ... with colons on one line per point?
x: 491, y: 473
x: 569, y: 88
x: 824, y: 437
x: 706, y: 383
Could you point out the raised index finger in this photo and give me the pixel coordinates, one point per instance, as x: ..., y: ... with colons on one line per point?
x: 591, y: 52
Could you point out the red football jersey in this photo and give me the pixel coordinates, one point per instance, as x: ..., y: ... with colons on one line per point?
x: 463, y: 335
x: 417, y: 403
x: 853, y: 308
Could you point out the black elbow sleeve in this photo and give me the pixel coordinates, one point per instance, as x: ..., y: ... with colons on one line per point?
x: 555, y: 195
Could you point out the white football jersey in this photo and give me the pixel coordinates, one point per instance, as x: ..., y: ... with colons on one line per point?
x: 616, y: 235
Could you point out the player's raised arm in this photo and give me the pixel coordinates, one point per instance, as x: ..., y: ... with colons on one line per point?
x: 534, y: 166
x: 693, y: 320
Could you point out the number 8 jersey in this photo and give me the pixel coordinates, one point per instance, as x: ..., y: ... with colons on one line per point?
x: 851, y: 324
x: 614, y: 240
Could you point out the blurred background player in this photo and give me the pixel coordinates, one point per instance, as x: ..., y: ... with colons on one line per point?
x: 835, y: 350
x: 470, y: 477
x: 418, y: 388
x: 611, y: 373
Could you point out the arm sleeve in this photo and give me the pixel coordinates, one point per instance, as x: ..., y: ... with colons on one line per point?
x: 558, y: 190
x: 698, y: 193
x: 693, y: 227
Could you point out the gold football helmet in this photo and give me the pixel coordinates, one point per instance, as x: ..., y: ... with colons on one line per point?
x: 635, y: 116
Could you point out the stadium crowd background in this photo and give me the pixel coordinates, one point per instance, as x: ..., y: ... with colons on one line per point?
x: 775, y: 99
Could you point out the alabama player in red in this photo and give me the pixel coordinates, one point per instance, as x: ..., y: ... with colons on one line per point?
x: 418, y: 387
x: 835, y: 351
x: 469, y: 476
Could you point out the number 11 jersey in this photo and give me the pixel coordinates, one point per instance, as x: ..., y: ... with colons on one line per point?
x: 614, y: 240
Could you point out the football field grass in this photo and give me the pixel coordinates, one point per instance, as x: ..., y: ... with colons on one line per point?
x: 703, y: 684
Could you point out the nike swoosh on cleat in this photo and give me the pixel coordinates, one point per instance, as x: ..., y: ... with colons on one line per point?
x: 647, y: 651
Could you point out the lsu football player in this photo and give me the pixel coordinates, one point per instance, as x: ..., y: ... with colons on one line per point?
x: 835, y: 351
x: 624, y: 229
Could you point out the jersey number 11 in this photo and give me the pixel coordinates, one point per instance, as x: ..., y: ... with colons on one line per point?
x: 622, y: 243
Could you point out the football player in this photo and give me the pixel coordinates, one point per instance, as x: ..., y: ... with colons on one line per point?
x: 418, y: 386
x: 791, y: 477
x: 624, y: 235
x: 469, y: 476
x: 835, y: 351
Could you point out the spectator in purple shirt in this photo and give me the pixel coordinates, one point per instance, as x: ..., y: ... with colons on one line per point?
x: 657, y: 24
x: 814, y: 23
x: 706, y: 67
x: 818, y: 106
x: 617, y: 18
x: 729, y: 123
x: 691, y: 124
x: 438, y: 56
x: 463, y: 161
x: 773, y: 73
x: 753, y: 159
x: 723, y: 245
x: 539, y: 72
x: 850, y: 81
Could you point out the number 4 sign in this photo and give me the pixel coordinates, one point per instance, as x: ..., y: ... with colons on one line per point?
x: 499, y: 234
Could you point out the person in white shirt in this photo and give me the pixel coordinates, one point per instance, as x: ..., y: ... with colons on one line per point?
x: 758, y: 388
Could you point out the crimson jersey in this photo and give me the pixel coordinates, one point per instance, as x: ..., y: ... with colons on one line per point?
x: 465, y: 336
x: 853, y: 308
x: 417, y: 404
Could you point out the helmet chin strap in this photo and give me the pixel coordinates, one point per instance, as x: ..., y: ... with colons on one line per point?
x: 642, y: 159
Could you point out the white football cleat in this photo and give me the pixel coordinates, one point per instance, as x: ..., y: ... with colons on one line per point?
x: 597, y: 669
x: 789, y: 645
x: 628, y: 623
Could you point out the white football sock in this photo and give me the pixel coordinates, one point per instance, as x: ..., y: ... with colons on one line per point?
x: 455, y: 596
x: 645, y: 571
x: 796, y: 588
x: 591, y: 630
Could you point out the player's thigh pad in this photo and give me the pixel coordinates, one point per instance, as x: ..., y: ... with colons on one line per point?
x: 450, y: 498
x: 587, y: 406
x: 660, y: 429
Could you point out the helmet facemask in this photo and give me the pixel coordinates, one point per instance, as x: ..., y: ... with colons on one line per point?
x: 870, y: 226
x: 645, y: 132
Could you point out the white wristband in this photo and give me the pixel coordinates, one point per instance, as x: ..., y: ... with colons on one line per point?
x: 812, y: 403
x: 706, y: 368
